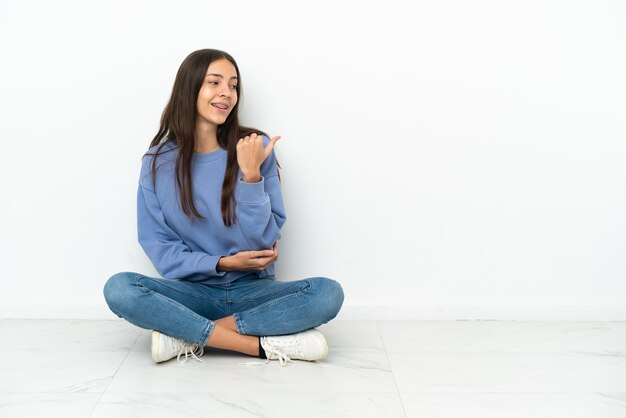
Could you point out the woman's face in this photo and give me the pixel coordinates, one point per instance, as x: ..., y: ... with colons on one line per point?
x: 218, y: 89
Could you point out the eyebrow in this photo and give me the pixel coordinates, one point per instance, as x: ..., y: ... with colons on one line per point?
x: 221, y: 76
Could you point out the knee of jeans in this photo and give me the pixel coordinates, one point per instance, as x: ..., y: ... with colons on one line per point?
x: 116, y: 290
x: 331, y: 293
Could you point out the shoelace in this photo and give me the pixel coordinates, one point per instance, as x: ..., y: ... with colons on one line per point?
x: 190, y: 349
x: 278, y: 352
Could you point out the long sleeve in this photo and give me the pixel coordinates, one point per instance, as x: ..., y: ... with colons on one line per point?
x: 172, y: 258
x: 260, y: 208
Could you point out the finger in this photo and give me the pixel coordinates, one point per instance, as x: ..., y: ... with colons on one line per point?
x: 260, y: 254
x: 273, y: 141
x: 266, y: 260
x: 270, y: 145
x: 273, y: 257
x: 263, y: 262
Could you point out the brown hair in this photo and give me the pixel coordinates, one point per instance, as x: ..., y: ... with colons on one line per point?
x: 178, y: 123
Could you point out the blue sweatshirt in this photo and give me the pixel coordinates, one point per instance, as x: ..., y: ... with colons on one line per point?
x: 181, y: 250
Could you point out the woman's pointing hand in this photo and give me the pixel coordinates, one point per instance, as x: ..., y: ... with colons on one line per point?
x: 251, y: 154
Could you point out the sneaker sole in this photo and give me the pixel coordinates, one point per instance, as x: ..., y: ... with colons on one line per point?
x: 155, y: 345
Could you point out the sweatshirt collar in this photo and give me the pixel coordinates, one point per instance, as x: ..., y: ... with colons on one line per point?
x: 209, y: 156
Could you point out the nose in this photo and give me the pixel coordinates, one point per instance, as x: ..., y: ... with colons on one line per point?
x: 225, y: 92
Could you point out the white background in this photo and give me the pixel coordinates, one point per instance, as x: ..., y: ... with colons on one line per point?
x: 441, y: 159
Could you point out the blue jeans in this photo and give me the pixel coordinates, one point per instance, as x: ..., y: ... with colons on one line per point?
x: 186, y: 310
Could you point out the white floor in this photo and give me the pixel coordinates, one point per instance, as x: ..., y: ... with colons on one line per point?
x: 456, y: 369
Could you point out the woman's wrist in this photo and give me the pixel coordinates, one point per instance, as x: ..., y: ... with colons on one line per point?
x: 253, y: 177
x: 222, y: 264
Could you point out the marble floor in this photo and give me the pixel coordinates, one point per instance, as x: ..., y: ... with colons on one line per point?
x: 456, y: 369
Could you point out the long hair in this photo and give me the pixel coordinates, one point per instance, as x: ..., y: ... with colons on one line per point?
x: 178, y: 123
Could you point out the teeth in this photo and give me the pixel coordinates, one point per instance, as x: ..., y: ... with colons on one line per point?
x: 221, y: 106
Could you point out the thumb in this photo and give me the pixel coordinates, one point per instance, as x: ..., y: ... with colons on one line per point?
x: 270, y: 145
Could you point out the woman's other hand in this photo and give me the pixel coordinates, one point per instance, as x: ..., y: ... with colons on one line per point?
x: 249, y: 260
x: 251, y: 154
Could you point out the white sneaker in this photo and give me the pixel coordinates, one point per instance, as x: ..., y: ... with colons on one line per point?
x: 309, y: 345
x: 165, y: 347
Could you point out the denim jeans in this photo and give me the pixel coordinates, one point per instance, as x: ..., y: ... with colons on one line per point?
x: 186, y: 310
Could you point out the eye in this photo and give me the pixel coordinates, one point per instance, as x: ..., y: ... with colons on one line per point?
x: 234, y: 86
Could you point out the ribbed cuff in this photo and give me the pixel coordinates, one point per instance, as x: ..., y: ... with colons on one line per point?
x: 208, y: 265
x: 251, y: 192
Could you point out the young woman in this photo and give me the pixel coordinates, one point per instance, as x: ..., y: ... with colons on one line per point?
x: 209, y: 214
